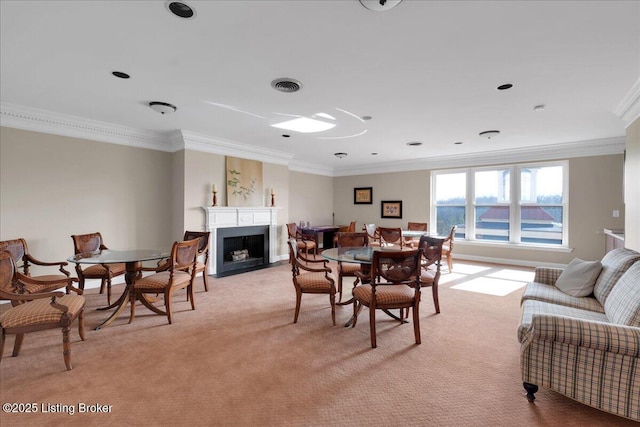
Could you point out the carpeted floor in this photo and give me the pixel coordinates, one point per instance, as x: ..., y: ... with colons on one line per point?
x: 238, y: 360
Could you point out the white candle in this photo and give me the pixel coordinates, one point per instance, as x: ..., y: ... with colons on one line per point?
x: 215, y: 189
x: 272, y: 193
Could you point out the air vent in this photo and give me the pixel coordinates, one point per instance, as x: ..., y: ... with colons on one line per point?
x: 286, y: 85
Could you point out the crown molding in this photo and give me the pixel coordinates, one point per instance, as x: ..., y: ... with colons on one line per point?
x: 196, y: 142
x: 595, y: 147
x: 629, y: 108
x: 59, y: 124
x: 36, y: 120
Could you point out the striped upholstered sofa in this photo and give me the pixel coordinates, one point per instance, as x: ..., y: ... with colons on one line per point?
x: 586, y: 348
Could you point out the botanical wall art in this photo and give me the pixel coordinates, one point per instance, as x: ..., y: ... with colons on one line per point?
x: 391, y: 209
x: 244, y: 182
x: 363, y: 195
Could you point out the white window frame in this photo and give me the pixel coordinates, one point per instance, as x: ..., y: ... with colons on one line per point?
x: 515, y: 204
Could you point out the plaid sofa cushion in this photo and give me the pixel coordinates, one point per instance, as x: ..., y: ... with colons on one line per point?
x: 532, y: 308
x: 551, y: 294
x: 614, y: 264
x: 40, y: 312
x: 623, y: 303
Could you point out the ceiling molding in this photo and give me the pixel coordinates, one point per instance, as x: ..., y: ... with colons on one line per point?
x: 629, y: 108
x: 59, y: 124
x: 596, y: 147
x: 36, y: 120
x: 196, y: 142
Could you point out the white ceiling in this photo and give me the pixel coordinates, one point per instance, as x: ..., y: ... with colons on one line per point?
x: 424, y: 71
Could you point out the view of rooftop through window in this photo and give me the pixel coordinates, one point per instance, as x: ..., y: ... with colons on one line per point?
x: 532, y: 214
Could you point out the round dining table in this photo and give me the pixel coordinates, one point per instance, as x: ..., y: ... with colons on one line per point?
x: 132, y: 260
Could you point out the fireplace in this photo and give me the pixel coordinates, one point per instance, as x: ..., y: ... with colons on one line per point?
x: 251, y: 231
x: 241, y: 249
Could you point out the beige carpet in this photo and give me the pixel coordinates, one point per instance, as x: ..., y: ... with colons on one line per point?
x: 238, y: 360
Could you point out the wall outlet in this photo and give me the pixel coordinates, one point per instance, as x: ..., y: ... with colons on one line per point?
x: 616, y: 213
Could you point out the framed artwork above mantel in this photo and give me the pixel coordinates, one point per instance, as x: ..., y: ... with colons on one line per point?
x: 363, y: 196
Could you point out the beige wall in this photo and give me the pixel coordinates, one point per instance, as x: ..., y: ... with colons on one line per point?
x: 410, y: 187
x: 632, y: 187
x: 595, y: 191
x: 52, y: 187
x: 311, y: 198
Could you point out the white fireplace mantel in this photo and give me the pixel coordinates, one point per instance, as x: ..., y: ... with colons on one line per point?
x: 229, y: 216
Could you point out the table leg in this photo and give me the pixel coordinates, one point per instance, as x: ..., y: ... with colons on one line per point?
x: 130, y: 278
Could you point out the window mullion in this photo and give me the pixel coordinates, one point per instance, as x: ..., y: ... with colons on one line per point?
x: 515, y: 215
x: 470, y: 223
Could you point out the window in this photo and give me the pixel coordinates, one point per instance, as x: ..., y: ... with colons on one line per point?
x: 508, y: 204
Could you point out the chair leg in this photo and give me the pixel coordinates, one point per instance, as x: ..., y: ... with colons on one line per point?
x: 81, y: 324
x: 66, y: 347
x: 372, y: 326
x: 332, y: 300
x: 436, y: 302
x: 102, y: 283
x: 355, y: 313
x: 298, y: 299
x: 531, y: 390
x: 340, y: 287
x: 416, y: 323
x: 167, y: 304
x: 190, y: 291
x: 205, y: 278
x: 17, y: 344
x: 449, y: 262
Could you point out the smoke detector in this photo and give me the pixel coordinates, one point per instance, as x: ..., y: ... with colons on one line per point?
x: 380, y: 5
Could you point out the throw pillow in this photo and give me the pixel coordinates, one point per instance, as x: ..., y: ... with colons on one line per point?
x: 579, y: 278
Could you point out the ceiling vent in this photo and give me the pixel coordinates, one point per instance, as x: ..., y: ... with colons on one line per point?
x: 380, y: 5
x: 286, y: 85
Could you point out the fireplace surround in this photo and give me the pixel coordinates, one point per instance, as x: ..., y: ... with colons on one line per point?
x: 252, y: 228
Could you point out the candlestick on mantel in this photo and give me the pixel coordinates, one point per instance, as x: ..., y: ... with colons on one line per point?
x: 273, y: 199
x: 215, y: 198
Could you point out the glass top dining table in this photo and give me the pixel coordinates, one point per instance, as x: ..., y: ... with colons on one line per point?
x: 132, y: 259
x: 358, y: 254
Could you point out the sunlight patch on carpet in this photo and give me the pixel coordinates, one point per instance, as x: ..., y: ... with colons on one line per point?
x: 490, y: 286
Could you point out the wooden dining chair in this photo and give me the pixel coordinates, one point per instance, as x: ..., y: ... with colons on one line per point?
x: 36, y: 312
x: 372, y: 234
x: 447, y: 247
x: 351, y: 228
x: 349, y: 269
x: 415, y: 226
x: 202, y: 266
x: 41, y: 283
x: 304, y: 242
x: 391, y: 236
x: 394, y: 284
x: 311, y: 280
x: 431, y: 252
x: 179, y: 275
x: 92, y: 242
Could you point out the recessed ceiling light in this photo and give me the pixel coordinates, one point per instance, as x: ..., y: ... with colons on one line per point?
x: 162, y: 107
x: 538, y: 107
x: 285, y: 135
x: 489, y: 133
x: 121, y: 75
x: 414, y: 143
x: 458, y: 143
x: 180, y: 9
x: 366, y: 118
x: 340, y: 155
x: 374, y: 154
x: 304, y: 125
x: 505, y: 86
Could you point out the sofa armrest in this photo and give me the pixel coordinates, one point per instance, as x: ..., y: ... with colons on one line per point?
x: 624, y: 340
x: 547, y: 275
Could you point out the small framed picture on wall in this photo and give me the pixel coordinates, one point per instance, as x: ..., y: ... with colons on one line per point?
x: 363, y: 196
x: 391, y: 209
